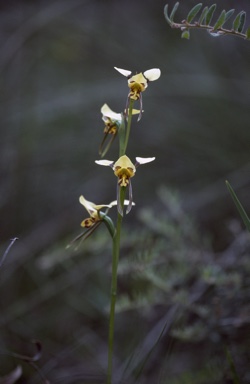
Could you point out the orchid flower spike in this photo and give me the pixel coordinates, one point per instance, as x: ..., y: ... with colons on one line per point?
x: 139, y: 82
x: 124, y: 169
x: 112, y: 121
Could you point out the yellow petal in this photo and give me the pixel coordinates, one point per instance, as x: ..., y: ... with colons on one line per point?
x: 139, y: 78
x: 124, y: 162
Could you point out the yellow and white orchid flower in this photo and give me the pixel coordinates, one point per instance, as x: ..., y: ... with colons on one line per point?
x: 112, y: 122
x: 139, y: 82
x: 93, y: 211
x: 124, y: 169
x: 96, y: 217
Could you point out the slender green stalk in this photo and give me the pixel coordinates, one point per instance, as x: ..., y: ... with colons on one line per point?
x: 123, y: 143
x: 115, y: 260
x: 130, y: 109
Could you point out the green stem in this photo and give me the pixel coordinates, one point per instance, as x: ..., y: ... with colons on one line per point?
x: 130, y: 109
x: 115, y: 260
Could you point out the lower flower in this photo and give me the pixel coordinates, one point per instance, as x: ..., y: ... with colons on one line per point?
x: 124, y: 169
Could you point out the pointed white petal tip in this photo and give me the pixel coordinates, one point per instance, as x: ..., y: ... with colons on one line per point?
x: 106, y: 163
x: 126, y: 202
x: 144, y: 160
x: 124, y: 72
x: 152, y: 74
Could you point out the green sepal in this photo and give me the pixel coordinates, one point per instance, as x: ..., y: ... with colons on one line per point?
x: 194, y: 11
x: 210, y: 13
x: 185, y: 34
x: 221, y: 20
x: 239, y: 206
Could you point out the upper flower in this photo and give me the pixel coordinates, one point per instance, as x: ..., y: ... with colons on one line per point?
x: 124, y: 169
x: 139, y: 82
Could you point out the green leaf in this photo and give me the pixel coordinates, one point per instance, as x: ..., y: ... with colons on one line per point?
x: 210, y: 13
x: 240, y: 208
x: 166, y: 14
x: 242, y: 21
x: 229, y: 14
x: 203, y: 15
x: 239, y: 21
x: 171, y: 17
x: 185, y: 34
x: 220, y: 21
x: 248, y: 33
x: 194, y: 11
x: 173, y: 11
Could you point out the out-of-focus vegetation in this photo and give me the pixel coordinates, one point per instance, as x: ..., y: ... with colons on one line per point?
x: 184, y: 275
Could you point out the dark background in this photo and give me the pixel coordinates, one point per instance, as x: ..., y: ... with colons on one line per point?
x: 56, y: 64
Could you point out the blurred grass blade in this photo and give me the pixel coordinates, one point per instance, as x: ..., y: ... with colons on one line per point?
x: 203, y: 15
x: 210, y: 13
x: 240, y: 208
x: 221, y: 20
x: 235, y: 376
x: 194, y: 11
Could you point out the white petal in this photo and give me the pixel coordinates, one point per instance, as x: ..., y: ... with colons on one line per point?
x: 104, y: 162
x: 152, y: 74
x: 124, y: 72
x: 107, y: 112
x: 144, y: 160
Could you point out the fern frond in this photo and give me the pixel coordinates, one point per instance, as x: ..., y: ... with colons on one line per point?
x: 204, y: 21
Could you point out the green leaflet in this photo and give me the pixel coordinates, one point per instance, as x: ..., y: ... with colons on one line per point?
x: 203, y: 15
x: 239, y: 21
x: 194, y: 11
x: 221, y: 20
x: 248, y: 33
x: 173, y: 11
x: 185, y: 34
x: 210, y: 13
x: 229, y: 14
x: 242, y: 21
